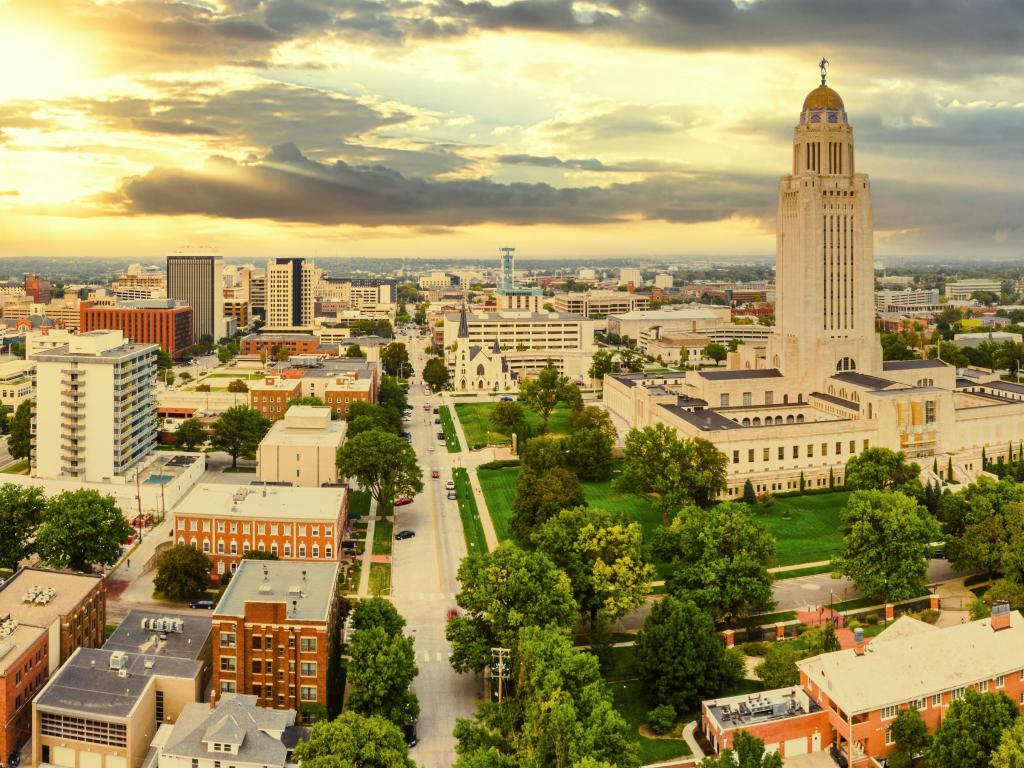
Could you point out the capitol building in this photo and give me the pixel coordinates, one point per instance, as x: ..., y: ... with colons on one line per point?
x: 794, y: 409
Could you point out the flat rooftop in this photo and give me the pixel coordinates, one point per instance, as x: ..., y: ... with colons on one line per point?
x: 915, y: 664
x: 87, y: 684
x: 752, y: 373
x: 512, y: 316
x: 912, y: 365
x: 296, y: 430
x: 227, y: 500
x: 13, y: 645
x: 311, y: 586
x: 634, y: 379
x: 687, y: 313
x: 746, y: 710
x: 161, y: 633
x: 69, y: 589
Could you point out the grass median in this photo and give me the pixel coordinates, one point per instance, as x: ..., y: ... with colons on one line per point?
x: 451, y: 438
x: 472, y: 528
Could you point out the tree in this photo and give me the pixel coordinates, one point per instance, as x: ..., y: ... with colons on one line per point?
x: 185, y: 377
x: 602, y: 554
x: 362, y: 417
x: 910, y: 734
x: 21, y: 511
x: 880, y: 468
x: 168, y: 377
x: 354, y: 351
x: 749, y: 497
x: 540, y: 497
x: 19, y: 444
x: 238, y: 432
x: 394, y: 358
x: 716, y: 352
x: 383, y: 666
x: 720, y: 559
x: 678, y: 654
x: 377, y: 612
x: 503, y: 591
x: 354, y: 741
x: 589, y: 454
x: 603, y: 363
x: 280, y: 353
x: 670, y: 470
x: 539, y: 454
x: 1010, y: 752
x: 506, y: 414
x: 256, y: 554
x: 191, y: 433
x: 593, y: 417
x: 971, y: 729
x: 392, y: 392
x: 549, y: 388
x: 778, y: 669
x: 747, y: 752
x: 237, y: 386
x: 983, y: 527
x: 223, y: 354
x: 163, y: 360
x: 306, y: 400
x: 435, y: 373
x: 81, y: 529
x: 182, y: 572
x: 382, y: 463
x: 885, y: 549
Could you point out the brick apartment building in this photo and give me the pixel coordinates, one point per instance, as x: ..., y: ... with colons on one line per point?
x: 154, y: 321
x: 271, y: 395
x: 47, y: 615
x: 295, y: 523
x: 295, y: 343
x: 847, y: 700
x: 271, y: 633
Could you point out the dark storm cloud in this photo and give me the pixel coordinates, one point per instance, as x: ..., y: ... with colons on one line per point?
x: 289, y: 187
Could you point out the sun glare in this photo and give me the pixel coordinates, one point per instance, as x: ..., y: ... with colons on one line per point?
x: 37, y: 61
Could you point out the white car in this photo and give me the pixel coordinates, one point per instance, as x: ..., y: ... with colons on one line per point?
x: 450, y: 485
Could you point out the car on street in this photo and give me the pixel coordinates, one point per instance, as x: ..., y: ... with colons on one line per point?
x: 437, y: 420
x: 938, y: 554
x: 435, y: 473
x: 206, y: 605
x: 436, y: 410
x: 426, y: 406
x: 401, y: 501
x: 15, y: 759
x: 452, y: 496
x: 507, y: 398
x: 409, y: 732
x: 440, y: 435
x: 407, y: 435
x: 450, y: 485
x: 403, y: 535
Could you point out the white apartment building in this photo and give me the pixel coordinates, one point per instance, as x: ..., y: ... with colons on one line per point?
x: 629, y: 275
x: 99, y: 414
x: 439, y: 280
x: 16, y: 382
x: 908, y: 300
x: 290, y: 293
x: 523, y: 330
x: 961, y: 290
x: 600, y: 302
x: 198, y: 280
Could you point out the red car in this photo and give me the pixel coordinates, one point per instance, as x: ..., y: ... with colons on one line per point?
x: 435, y: 473
x: 401, y: 502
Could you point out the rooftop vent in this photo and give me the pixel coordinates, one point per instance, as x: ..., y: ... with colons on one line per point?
x: 118, y: 660
x: 295, y: 589
x: 7, y: 627
x: 163, y: 624
x: 264, y: 588
x: 39, y: 595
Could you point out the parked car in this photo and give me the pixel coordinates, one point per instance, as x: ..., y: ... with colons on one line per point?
x: 433, y: 473
x: 436, y: 410
x: 426, y: 406
x: 409, y: 732
x: 450, y: 485
x: 401, y: 501
x: 507, y: 398
x: 15, y: 759
x: 938, y: 554
x: 206, y: 605
x: 403, y: 535
x: 440, y: 435
x: 437, y: 420
x: 452, y: 496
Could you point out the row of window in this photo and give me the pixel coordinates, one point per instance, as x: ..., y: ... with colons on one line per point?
x: 780, y: 451
x: 266, y: 667
x: 306, y: 692
x: 890, y: 712
x: 306, y: 644
x: 260, y: 528
x: 232, y: 548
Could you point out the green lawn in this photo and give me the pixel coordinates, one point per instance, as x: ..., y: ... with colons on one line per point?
x: 242, y: 376
x: 382, y: 537
x: 805, y: 527
x: 796, y: 573
x: 451, y: 439
x: 17, y: 468
x: 476, y: 423
x: 499, y: 488
x: 472, y: 528
x: 380, y: 579
x: 359, y: 503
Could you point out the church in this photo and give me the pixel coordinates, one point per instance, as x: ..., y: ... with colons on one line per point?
x: 790, y: 412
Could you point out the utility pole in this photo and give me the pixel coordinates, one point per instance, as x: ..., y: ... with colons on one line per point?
x: 499, y: 662
x: 138, y: 498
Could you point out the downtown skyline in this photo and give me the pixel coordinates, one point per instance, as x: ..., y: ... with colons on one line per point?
x: 443, y: 129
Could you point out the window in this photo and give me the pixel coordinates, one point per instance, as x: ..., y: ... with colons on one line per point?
x: 888, y: 713
x: 824, y: 449
x: 257, y: 642
x: 723, y: 400
x: 233, y: 548
x: 257, y: 690
x: 327, y: 530
x: 796, y: 451
x: 328, y: 551
x: 227, y: 639
x: 765, y: 454
x: 769, y: 398
x: 227, y: 663
x: 308, y: 692
x: 220, y: 547
x: 302, y: 550
x: 810, y: 451
x: 983, y: 686
x: 316, y: 550
x: 920, y: 704
x: 929, y: 412
x: 936, y: 699
x: 287, y: 550
x: 956, y: 693
x: 735, y: 457
x: 273, y: 529
x: 261, y: 528
x: 234, y: 527
x: 308, y: 669
x: 748, y: 398
x: 257, y: 667
x: 245, y: 527
x: 206, y: 546
x: 867, y: 444
x: 1000, y: 681
x: 270, y: 667
x: 839, y: 448
x: 307, y: 644
x: 889, y: 738
x: 291, y: 641
x: 220, y: 526
x: 227, y: 686
x: 750, y: 455
x: 853, y: 446
x: 302, y: 530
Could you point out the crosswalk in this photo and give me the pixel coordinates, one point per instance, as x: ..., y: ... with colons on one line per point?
x: 426, y: 657
x: 424, y: 597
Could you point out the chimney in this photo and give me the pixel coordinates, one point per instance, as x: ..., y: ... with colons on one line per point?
x: 858, y: 641
x: 1000, y: 615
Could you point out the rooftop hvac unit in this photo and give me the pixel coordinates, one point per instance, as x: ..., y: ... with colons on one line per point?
x: 295, y: 589
x: 264, y: 588
x: 45, y: 596
x: 163, y: 624
x: 119, y: 661
x: 7, y: 627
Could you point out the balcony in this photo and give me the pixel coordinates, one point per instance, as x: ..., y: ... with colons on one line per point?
x: 73, y: 405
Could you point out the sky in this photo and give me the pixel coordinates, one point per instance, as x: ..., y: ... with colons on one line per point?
x: 447, y: 128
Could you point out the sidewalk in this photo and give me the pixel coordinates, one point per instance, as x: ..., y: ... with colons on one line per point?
x: 470, y: 460
x: 364, y: 569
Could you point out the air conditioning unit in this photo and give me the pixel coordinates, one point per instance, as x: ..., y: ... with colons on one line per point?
x: 119, y: 660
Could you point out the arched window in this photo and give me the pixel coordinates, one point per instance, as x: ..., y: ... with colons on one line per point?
x: 745, y: 422
x: 273, y: 549
x: 480, y: 370
x: 799, y: 418
x: 302, y: 550
x: 846, y: 364
x: 757, y: 421
x: 778, y: 419
x: 789, y: 419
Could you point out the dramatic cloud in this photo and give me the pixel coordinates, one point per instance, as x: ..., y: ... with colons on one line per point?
x: 287, y: 186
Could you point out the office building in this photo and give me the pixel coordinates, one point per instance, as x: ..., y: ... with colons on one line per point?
x: 964, y: 290
x: 663, y: 280
x: 600, y: 303
x: 370, y: 293
x: 847, y: 700
x: 537, y: 331
x: 272, y: 629
x: 198, y: 280
x: 103, y: 708
x: 235, y: 729
x: 139, y: 283
x: 269, y: 343
x: 106, y: 420
x: 301, y: 449
x: 164, y: 322
x: 333, y: 381
x: 225, y: 521
x: 291, y: 293
x: 258, y: 293
x: 17, y: 382
x: 239, y: 310
x: 46, y: 616
x: 440, y: 279
x: 630, y: 276
x: 38, y: 288
x: 907, y: 301
x: 65, y: 313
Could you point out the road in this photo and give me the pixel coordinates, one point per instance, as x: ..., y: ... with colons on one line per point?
x: 424, y: 582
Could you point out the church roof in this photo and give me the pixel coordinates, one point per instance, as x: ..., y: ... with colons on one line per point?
x: 823, y: 97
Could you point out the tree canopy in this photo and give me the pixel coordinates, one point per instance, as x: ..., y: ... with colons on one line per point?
x: 238, y: 432
x: 885, y: 550
x: 363, y: 416
x: 19, y: 444
x: 435, y: 373
x: 971, y: 730
x: 984, y: 527
x: 191, y: 433
x: 354, y: 741
x: 589, y: 453
x: 381, y: 462
x: 506, y: 414
x: 21, y: 511
x: 540, y: 496
x: 1010, y: 752
x: 593, y: 417
x: 879, y: 469
x: 182, y: 572
x: 81, y: 529
x: 546, y: 390
x: 747, y: 752
x: 394, y: 359
x: 382, y: 667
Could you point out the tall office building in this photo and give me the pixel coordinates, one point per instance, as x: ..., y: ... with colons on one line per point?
x: 291, y: 293
x: 38, y: 289
x: 198, y: 280
x: 98, y: 410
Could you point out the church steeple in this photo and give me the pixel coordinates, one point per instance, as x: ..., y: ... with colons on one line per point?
x: 463, y: 324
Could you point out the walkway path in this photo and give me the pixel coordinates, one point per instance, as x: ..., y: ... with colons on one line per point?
x: 470, y: 460
x: 954, y: 603
x: 691, y: 741
x: 364, y: 570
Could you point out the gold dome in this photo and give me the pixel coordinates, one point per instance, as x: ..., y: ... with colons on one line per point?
x: 823, y: 97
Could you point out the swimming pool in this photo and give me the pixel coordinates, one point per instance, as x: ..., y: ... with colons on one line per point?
x: 159, y: 479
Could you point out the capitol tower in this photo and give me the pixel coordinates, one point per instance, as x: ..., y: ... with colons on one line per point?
x: 825, y: 313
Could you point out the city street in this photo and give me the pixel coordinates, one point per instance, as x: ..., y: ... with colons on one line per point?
x: 424, y: 581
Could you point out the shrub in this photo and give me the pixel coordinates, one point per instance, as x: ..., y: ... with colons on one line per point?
x: 661, y: 718
x: 500, y: 464
x: 756, y: 648
x: 871, y: 618
x: 928, y: 616
x: 854, y: 624
x: 202, y: 388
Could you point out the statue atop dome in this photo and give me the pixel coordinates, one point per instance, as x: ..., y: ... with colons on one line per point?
x: 823, y: 66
